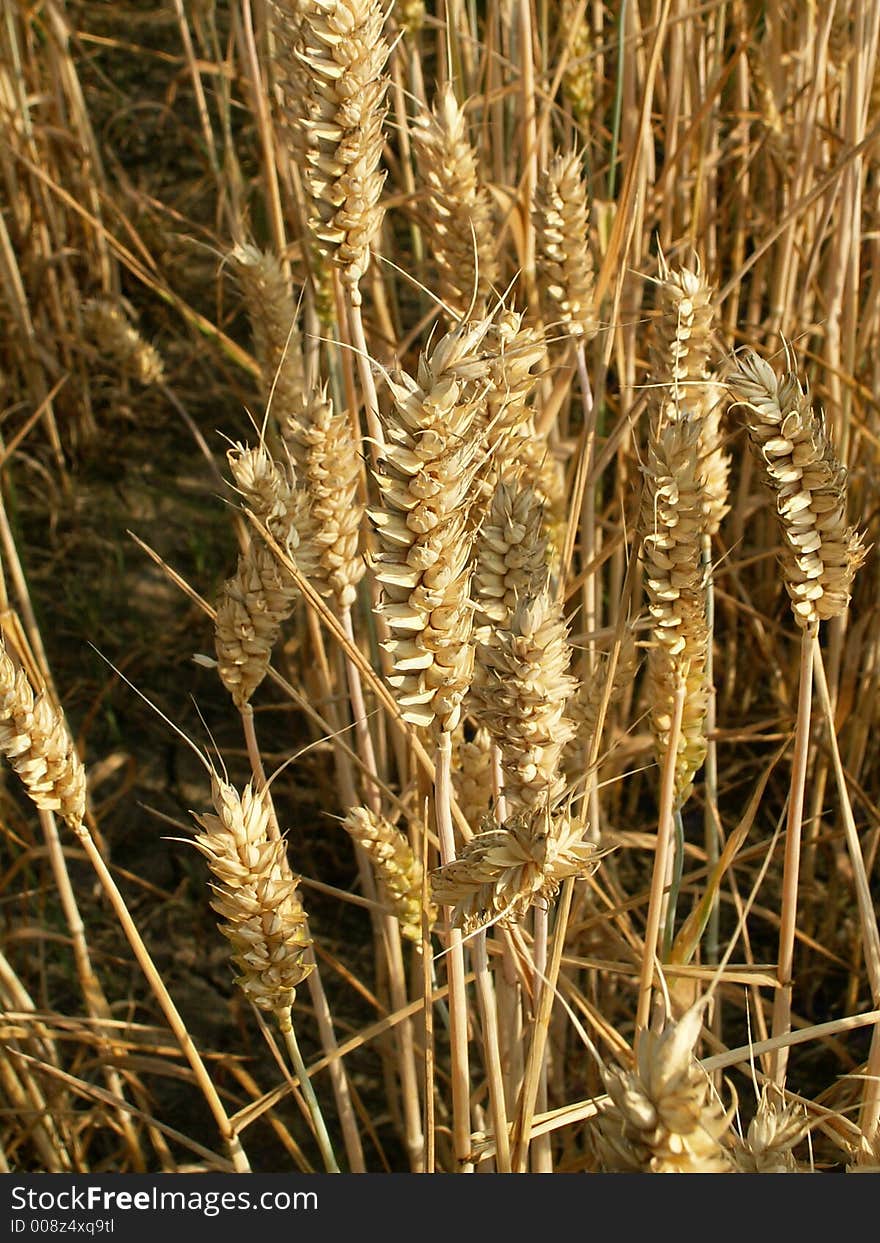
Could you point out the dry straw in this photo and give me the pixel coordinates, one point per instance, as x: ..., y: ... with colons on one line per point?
x: 821, y: 553
x: 36, y: 741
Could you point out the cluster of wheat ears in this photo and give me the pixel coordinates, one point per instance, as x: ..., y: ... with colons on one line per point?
x: 577, y: 559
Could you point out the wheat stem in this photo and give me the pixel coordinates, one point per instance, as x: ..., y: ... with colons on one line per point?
x: 781, y: 1024
x: 458, y: 1019
x: 491, y: 1050
x: 665, y: 827
x: 305, y: 1083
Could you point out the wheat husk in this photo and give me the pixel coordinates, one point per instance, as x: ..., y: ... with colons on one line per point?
x: 322, y: 443
x: 36, y: 741
x: 564, y: 259
x: 398, y: 870
x: 510, y: 555
x: 457, y: 209
x: 673, y: 523
x: 256, y: 896
x: 331, y: 67
x: 506, y: 869
x: 271, y: 311
x: 776, y: 1129
x: 521, y: 691
x: 424, y: 530
x: 260, y: 596
x: 663, y: 1118
x: 120, y: 343
x: 821, y: 552
x: 473, y: 774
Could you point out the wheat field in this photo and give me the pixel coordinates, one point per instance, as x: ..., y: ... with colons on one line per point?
x: 440, y: 636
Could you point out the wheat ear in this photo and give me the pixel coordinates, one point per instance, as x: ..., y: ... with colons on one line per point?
x: 457, y: 208
x: 256, y: 601
x: 397, y: 868
x: 261, y: 915
x: 120, y: 343
x: 272, y: 316
x: 36, y: 741
x: 663, y: 1118
x: 820, y: 557
x: 564, y: 259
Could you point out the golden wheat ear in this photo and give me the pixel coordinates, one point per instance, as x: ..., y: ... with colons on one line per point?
x: 397, y: 868
x: 821, y: 552
x: 775, y: 1131
x: 663, y: 1117
x: 256, y: 897
x: 117, y: 340
x: 673, y: 522
x: 36, y: 741
x: 458, y: 210
x: 331, y: 61
x: 506, y: 869
x: 564, y: 259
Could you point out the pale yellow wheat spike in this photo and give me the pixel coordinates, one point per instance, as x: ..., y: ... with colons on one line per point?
x: 821, y: 552
x: 472, y: 777
x: 578, y: 79
x: 260, y: 596
x: 776, y: 1129
x: 510, y: 555
x: 515, y: 452
x: 663, y: 1117
x: 397, y: 868
x: 322, y: 443
x: 119, y: 342
x: 564, y: 258
x: 682, y: 383
x: 673, y: 522
x: 334, y: 87
x: 457, y: 208
x: 36, y: 741
x: 507, y: 868
x: 410, y: 15
x: 423, y: 526
x: 585, y: 704
x: 521, y: 690
x: 271, y: 311
x: 256, y: 897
